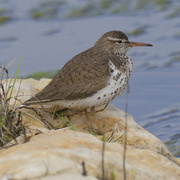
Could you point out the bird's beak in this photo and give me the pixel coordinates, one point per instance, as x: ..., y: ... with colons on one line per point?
x: 132, y: 44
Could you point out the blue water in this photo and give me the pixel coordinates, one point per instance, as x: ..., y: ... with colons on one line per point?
x: 154, y: 98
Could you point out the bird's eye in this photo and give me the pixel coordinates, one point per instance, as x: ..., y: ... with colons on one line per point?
x: 119, y: 41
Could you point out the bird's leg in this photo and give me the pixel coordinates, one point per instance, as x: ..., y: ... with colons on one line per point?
x: 103, y: 108
x: 93, y: 112
x: 89, y: 123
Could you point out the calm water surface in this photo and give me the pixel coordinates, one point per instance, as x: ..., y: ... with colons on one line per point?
x: 154, y: 99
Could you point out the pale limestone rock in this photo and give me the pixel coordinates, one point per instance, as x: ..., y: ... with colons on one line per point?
x: 137, y: 137
x: 58, y: 154
x: 69, y: 176
x: 28, y: 88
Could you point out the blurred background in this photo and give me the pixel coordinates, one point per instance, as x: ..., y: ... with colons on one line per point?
x: 47, y: 33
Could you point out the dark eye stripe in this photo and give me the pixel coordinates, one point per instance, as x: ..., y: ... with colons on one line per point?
x: 119, y: 41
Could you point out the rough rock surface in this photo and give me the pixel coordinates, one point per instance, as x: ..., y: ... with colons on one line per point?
x: 58, y: 154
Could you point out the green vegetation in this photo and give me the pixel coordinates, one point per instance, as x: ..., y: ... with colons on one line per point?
x: 111, y: 137
x: 67, y: 122
x: 39, y: 75
x: 114, y: 6
x: 4, y: 17
x: 112, y: 175
x: 142, y: 4
x: 109, y: 174
x: 175, y: 57
x: 88, y: 10
x: 10, y: 118
x: 123, y: 8
x: 11, y: 125
x: 46, y: 10
x: 105, y: 3
x: 163, y: 4
x: 118, y: 138
x: 173, y: 146
x: 149, y: 4
x: 138, y: 31
x: 51, y: 9
x: 175, y: 13
x: 17, y: 72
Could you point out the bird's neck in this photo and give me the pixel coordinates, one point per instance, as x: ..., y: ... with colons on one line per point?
x: 117, y: 54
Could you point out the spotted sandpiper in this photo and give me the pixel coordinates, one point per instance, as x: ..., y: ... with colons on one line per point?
x: 92, y: 78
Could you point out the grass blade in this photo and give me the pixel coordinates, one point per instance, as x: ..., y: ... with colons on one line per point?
x: 17, y: 72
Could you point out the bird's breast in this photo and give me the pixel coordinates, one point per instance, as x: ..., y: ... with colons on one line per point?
x: 119, y: 77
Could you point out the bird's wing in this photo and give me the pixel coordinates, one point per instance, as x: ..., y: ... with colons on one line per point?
x: 79, y: 78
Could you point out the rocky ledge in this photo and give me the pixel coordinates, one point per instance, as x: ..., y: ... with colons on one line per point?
x: 75, y: 153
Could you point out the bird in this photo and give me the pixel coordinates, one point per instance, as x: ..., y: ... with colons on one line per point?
x: 92, y: 78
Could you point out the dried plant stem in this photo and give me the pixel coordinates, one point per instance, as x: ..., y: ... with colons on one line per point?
x: 84, y: 173
x: 10, y: 118
x: 32, y: 116
x: 125, y: 141
x: 103, y: 150
x: 17, y: 92
x: 45, y: 123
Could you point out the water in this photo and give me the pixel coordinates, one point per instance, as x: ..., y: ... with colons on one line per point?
x: 47, y: 44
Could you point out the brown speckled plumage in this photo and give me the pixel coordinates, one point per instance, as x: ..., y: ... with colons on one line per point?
x: 89, y: 72
x: 79, y: 78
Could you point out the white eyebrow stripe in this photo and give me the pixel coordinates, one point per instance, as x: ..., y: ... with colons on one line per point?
x: 113, y: 39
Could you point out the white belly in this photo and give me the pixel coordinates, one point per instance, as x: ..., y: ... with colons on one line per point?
x: 115, y: 87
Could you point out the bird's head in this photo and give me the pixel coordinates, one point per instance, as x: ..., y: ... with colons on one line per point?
x: 116, y: 42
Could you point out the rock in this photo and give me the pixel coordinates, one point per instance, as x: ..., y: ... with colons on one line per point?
x: 58, y: 154
x: 61, y: 152
x: 137, y: 136
x: 26, y: 88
